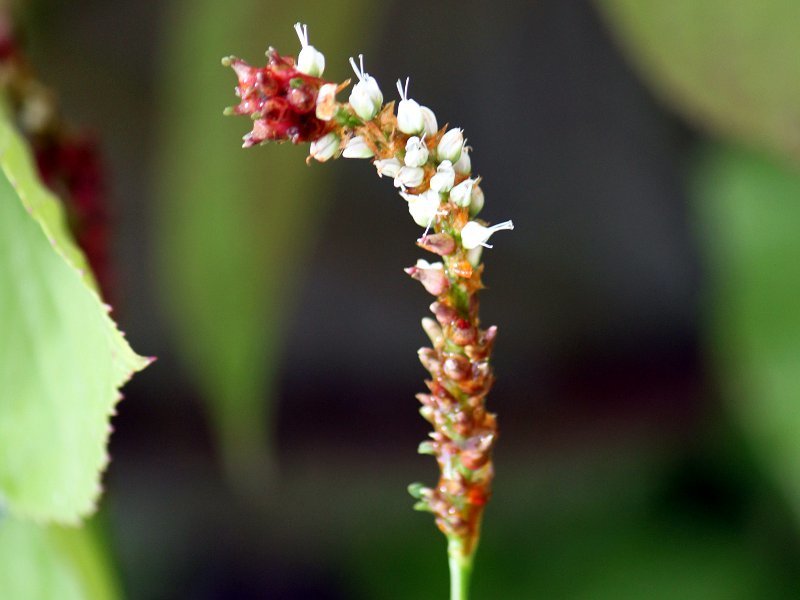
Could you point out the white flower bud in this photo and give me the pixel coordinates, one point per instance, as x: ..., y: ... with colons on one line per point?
x: 326, y: 102
x: 416, y: 152
x: 325, y: 147
x: 409, y: 177
x: 423, y: 207
x: 357, y: 148
x: 476, y: 201
x: 366, y: 97
x: 310, y: 60
x: 389, y: 167
x: 445, y: 176
x: 474, y: 234
x: 409, y: 112
x: 450, y: 145
x: 429, y: 119
x: 463, y: 166
x: 461, y: 195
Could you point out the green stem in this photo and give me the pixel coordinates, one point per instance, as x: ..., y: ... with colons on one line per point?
x: 460, y: 570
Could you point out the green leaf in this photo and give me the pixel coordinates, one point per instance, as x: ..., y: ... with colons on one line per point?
x: 52, y: 563
x: 729, y: 66
x: 749, y: 206
x: 62, y: 359
x: 235, y: 226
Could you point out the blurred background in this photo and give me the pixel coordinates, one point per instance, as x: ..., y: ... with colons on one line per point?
x: 648, y: 380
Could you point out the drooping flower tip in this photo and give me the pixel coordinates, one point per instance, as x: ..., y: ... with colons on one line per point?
x: 474, y: 234
x: 310, y: 60
x: 366, y: 97
x: 280, y: 99
x: 410, y: 119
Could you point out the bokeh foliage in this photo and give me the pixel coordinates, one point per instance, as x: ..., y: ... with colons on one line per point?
x: 62, y: 361
x: 729, y: 67
x: 235, y: 226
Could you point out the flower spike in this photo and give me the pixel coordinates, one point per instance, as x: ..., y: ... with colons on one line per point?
x: 433, y: 170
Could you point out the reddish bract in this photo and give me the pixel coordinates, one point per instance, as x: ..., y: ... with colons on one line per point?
x: 280, y: 99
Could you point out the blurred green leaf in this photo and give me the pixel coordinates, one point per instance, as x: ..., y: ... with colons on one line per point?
x: 52, y: 563
x: 235, y: 226
x: 750, y: 213
x: 62, y: 360
x: 729, y: 66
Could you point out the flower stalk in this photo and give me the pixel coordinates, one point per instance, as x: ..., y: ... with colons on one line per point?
x: 432, y: 168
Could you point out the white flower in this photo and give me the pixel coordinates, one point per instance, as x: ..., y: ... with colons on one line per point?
x: 389, y: 167
x: 463, y: 166
x: 474, y: 234
x: 366, y: 97
x: 409, y: 177
x: 450, y: 145
x: 461, y: 195
x: 445, y: 177
x: 409, y: 114
x: 476, y: 201
x: 424, y: 264
x: 310, y: 60
x: 325, y: 147
x: 357, y: 148
x: 431, y: 126
x: 423, y: 207
x: 326, y: 102
x: 416, y: 152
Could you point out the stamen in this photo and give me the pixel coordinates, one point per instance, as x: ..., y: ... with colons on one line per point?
x: 355, y: 68
x: 302, y: 33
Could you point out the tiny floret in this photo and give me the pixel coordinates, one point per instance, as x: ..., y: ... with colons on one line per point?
x: 416, y: 152
x: 326, y: 102
x: 423, y: 207
x: 463, y: 166
x: 366, y: 97
x: 409, y: 177
x: 389, y: 167
x: 409, y: 113
x: 357, y: 147
x: 429, y: 119
x: 476, y: 202
x: 444, y: 178
x: 450, y: 145
x: 474, y: 234
x: 461, y: 195
x: 325, y: 147
x: 310, y: 60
